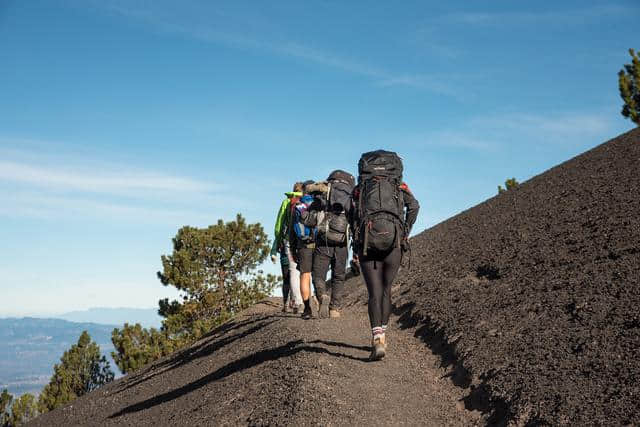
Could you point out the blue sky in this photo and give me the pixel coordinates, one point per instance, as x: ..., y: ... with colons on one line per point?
x: 121, y: 121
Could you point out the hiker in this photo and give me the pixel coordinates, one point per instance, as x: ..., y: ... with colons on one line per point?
x: 281, y: 245
x: 332, y: 238
x: 303, y: 242
x: 384, y: 210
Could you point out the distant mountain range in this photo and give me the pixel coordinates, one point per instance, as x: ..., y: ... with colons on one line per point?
x: 29, y: 347
x: 147, y: 317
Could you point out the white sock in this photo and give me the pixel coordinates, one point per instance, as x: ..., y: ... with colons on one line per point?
x: 377, y: 332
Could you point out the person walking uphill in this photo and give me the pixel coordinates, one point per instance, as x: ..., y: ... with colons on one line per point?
x: 303, y: 243
x: 382, y: 216
x: 332, y: 238
x: 282, y: 245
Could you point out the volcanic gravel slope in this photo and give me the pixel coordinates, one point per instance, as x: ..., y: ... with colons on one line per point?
x: 270, y: 368
x: 528, y: 300
x: 537, y: 290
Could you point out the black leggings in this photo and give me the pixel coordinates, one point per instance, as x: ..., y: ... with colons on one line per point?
x: 379, y: 271
x: 286, y: 283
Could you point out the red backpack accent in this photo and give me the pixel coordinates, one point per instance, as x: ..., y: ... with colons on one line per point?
x: 405, y: 187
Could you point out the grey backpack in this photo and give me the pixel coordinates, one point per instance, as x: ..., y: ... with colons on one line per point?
x: 333, y: 226
x: 380, y: 201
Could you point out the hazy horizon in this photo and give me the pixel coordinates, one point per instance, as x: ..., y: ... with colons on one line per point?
x: 61, y: 315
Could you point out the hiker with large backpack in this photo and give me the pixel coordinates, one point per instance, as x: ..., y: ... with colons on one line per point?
x: 384, y: 210
x: 282, y: 245
x: 302, y: 240
x: 332, y: 238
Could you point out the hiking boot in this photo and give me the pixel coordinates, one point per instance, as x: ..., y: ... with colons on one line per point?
x: 333, y: 313
x: 377, y: 349
x: 284, y: 308
x: 324, y: 306
x: 307, y: 314
x: 297, y: 309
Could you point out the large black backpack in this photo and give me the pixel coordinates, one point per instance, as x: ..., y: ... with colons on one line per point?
x: 333, y: 225
x: 380, y: 201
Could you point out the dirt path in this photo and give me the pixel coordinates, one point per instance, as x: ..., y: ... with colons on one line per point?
x: 406, y: 388
x: 269, y: 368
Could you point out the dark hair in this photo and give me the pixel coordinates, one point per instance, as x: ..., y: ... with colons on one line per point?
x: 297, y: 187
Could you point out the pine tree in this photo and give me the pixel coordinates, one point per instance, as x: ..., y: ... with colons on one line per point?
x: 629, y: 85
x: 5, y: 406
x: 136, y: 346
x: 23, y: 410
x: 509, y: 184
x: 215, y: 268
x: 81, y: 370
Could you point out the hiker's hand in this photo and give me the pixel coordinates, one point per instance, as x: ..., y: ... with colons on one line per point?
x: 273, y: 258
x: 355, y: 259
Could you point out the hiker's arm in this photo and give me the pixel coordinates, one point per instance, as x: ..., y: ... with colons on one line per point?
x: 352, y: 216
x: 412, y: 208
x: 352, y: 213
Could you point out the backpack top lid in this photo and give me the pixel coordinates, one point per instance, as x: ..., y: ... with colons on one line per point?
x: 380, y: 163
x: 316, y: 188
x: 342, y: 176
x: 342, y: 184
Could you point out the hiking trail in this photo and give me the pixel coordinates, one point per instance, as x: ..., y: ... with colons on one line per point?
x: 268, y: 367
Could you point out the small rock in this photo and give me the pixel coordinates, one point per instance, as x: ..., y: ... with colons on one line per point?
x: 455, y: 338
